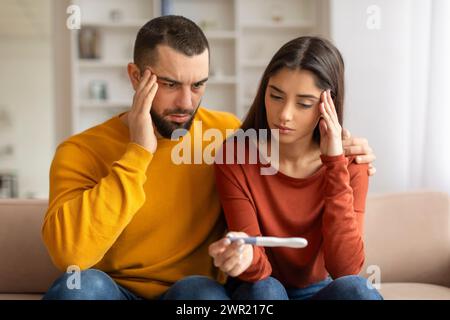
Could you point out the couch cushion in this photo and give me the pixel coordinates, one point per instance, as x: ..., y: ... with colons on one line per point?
x: 407, y: 235
x: 413, y: 291
x: 25, y: 264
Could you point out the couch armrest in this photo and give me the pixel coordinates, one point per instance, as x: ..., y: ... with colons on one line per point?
x: 25, y: 266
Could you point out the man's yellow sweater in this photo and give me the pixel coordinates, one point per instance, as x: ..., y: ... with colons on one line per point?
x: 137, y: 216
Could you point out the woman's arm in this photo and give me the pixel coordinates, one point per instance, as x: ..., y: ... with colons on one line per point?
x: 240, y: 214
x: 344, y: 196
x: 343, y: 216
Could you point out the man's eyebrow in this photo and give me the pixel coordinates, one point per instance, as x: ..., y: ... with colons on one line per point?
x: 168, y: 80
x: 178, y: 82
x: 307, y: 96
x: 202, y: 81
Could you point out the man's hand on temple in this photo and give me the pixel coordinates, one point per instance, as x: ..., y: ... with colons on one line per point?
x: 139, y: 119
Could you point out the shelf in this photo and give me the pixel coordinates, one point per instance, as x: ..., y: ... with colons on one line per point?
x: 98, y: 104
x: 237, y: 30
x: 119, y: 24
x: 92, y: 63
x: 278, y: 25
x: 220, y: 35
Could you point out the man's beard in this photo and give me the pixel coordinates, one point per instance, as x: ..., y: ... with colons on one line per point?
x: 165, y: 127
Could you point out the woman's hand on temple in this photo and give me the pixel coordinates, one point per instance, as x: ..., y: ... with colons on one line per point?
x: 330, y: 129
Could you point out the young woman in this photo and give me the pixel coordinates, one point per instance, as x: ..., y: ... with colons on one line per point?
x: 318, y: 193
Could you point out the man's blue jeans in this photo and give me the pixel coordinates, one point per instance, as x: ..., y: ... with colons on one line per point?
x: 94, y: 285
x: 97, y: 285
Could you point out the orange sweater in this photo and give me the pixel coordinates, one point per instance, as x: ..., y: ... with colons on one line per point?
x: 326, y: 208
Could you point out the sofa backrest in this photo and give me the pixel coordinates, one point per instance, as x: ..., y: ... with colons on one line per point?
x: 407, y: 235
x: 25, y: 266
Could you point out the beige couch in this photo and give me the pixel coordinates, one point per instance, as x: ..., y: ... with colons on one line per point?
x: 407, y: 237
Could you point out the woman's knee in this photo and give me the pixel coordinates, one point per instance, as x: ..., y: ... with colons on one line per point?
x: 85, y: 285
x: 356, y: 288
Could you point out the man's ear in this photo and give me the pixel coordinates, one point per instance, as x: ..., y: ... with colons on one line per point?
x: 134, y: 74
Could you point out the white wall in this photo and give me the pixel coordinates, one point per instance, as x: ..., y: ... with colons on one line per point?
x: 26, y: 90
x: 385, y: 71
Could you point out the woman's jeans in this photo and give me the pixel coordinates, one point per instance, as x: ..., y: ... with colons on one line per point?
x: 97, y: 285
x: 345, y: 288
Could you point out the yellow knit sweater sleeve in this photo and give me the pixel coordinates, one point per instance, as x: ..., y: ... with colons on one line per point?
x: 87, y: 213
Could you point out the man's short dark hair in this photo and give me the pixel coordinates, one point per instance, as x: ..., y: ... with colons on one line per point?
x: 177, y: 32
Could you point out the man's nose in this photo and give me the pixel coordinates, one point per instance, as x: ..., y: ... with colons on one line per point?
x: 184, y: 98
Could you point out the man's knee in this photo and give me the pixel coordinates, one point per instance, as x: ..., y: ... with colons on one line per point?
x: 90, y: 284
x: 196, y: 288
x: 356, y: 288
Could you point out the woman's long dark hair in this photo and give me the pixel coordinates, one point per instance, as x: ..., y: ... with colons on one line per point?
x: 315, y: 54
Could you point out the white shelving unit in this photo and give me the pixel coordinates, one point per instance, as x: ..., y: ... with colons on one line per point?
x: 243, y: 36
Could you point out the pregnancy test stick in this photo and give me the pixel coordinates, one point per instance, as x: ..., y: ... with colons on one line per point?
x: 273, y: 241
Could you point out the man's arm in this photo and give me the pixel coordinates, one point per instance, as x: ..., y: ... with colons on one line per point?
x: 87, y: 213
x: 85, y: 217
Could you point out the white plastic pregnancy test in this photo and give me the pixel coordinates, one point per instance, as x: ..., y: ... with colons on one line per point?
x: 273, y: 241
